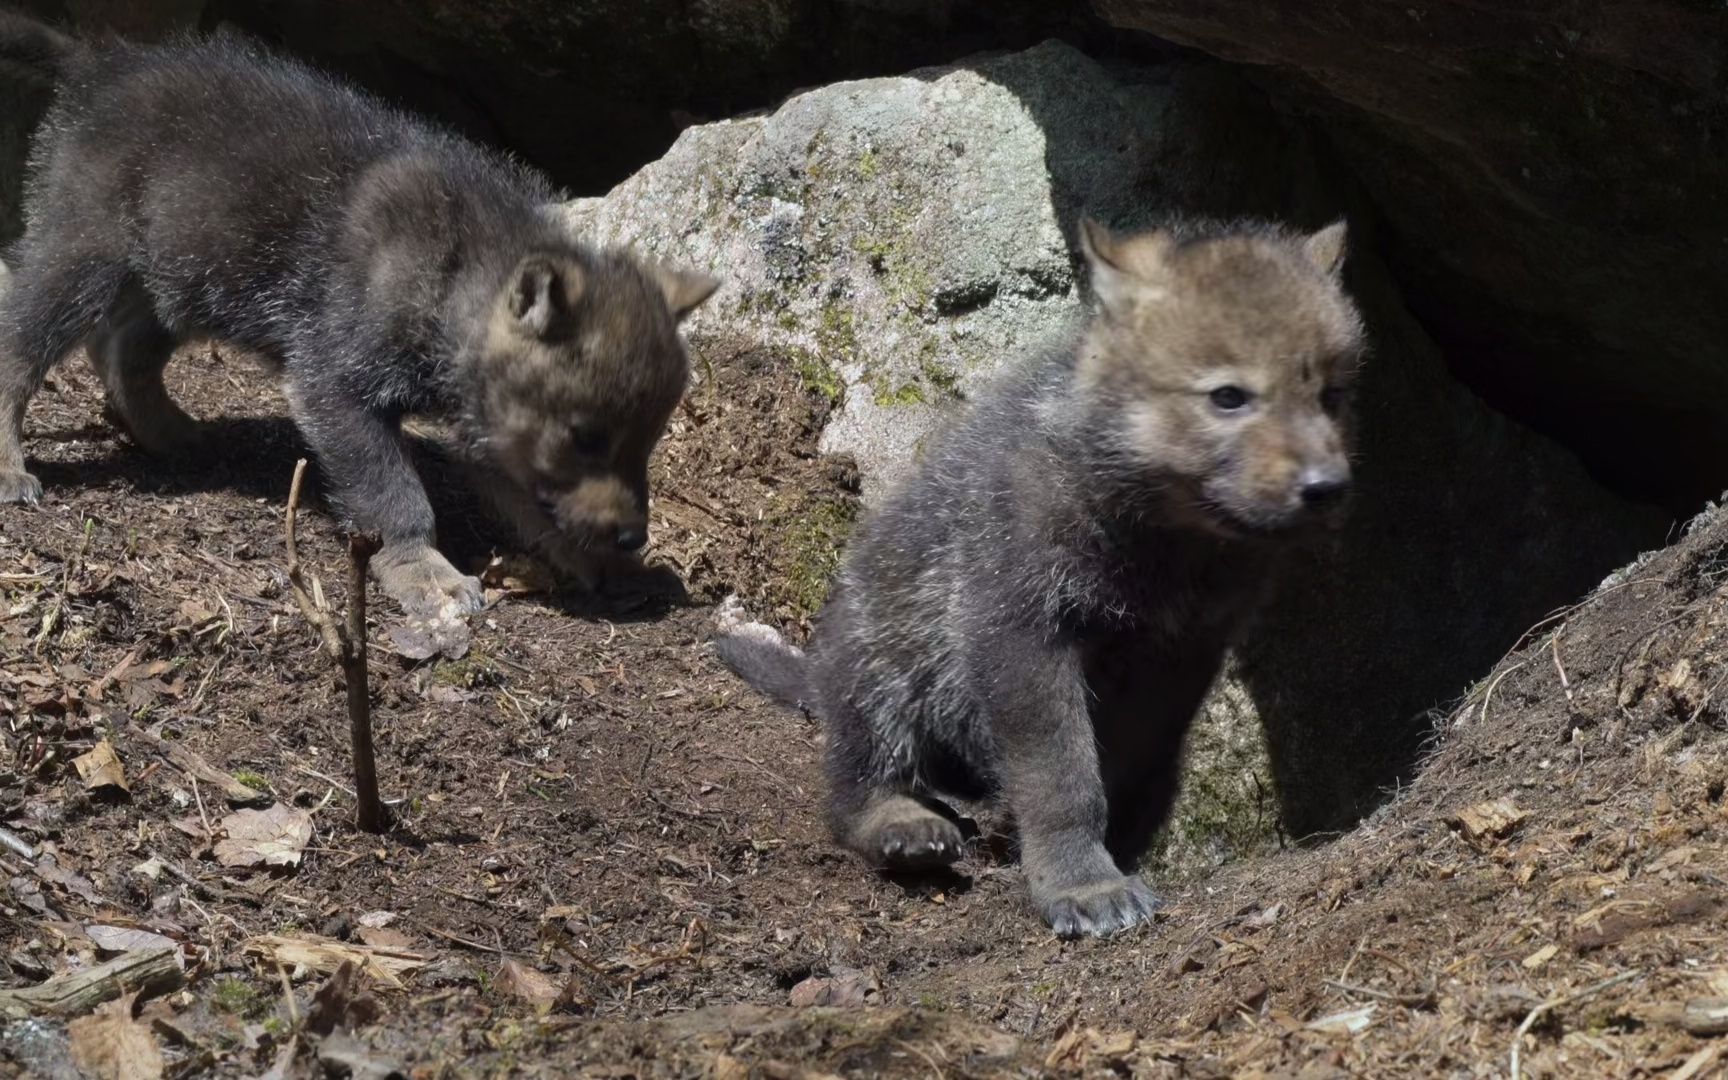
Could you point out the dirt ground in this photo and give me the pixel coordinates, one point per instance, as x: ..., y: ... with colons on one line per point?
x: 608, y: 857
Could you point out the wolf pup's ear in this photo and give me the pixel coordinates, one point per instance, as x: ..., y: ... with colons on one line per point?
x: 1125, y: 269
x: 1325, y: 248
x: 540, y: 291
x: 684, y: 290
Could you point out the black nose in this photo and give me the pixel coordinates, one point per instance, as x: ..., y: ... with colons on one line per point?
x: 1320, y: 491
x: 631, y: 537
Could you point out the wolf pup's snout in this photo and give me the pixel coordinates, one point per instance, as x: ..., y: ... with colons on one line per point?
x: 1324, y: 486
x: 632, y: 537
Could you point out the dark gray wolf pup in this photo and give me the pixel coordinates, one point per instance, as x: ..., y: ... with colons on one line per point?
x: 386, y: 267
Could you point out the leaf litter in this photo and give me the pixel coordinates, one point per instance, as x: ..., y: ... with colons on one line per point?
x: 593, y: 760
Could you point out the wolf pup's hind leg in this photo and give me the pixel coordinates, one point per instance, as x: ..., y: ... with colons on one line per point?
x: 46, y: 308
x: 879, y: 816
x: 129, y: 351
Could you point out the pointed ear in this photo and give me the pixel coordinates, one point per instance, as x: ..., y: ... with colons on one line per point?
x: 684, y: 290
x: 1124, y: 269
x: 539, y: 292
x: 1325, y: 249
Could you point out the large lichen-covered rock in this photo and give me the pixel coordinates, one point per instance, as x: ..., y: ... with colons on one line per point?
x: 903, y: 234
x: 1552, y: 174
x: 906, y: 235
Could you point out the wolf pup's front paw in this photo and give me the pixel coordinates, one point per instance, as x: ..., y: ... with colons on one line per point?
x: 1099, y: 908
x: 20, y: 487
x: 426, y: 585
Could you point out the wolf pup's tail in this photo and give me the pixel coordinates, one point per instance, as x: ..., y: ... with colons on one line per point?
x: 35, y: 47
x: 761, y: 657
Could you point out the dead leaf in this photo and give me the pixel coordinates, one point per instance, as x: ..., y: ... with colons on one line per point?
x: 119, y: 939
x: 195, y: 613
x: 1079, y: 1048
x: 383, y: 937
x: 518, y: 980
x: 273, y: 837
x: 101, y: 768
x: 1677, y: 857
x: 727, y: 1067
x: 1489, y: 820
x: 843, y: 986
x: 110, y: 1045
x: 48, y: 868
x: 341, y: 1002
x: 150, y: 868
x: 325, y: 955
x: 1263, y: 918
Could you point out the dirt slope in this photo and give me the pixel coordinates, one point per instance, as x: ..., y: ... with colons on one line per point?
x: 587, y: 796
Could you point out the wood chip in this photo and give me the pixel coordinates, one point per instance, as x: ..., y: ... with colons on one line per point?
x: 1697, y: 1063
x: 122, y: 939
x: 1350, y: 1023
x: 1488, y: 821
x: 324, y: 955
x: 1706, y: 1016
x: 1539, y: 957
x: 77, y: 992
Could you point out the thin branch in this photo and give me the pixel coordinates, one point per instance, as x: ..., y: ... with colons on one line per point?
x: 320, y: 619
x: 346, y: 645
x: 370, y: 815
x: 1554, y: 1003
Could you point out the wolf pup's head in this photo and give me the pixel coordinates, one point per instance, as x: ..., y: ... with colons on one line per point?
x: 1217, y: 374
x: 582, y: 368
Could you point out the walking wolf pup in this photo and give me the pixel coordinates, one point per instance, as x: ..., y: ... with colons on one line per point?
x: 1037, y: 613
x: 384, y: 266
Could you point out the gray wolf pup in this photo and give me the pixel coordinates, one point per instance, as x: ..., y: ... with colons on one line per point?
x: 1037, y: 613
x: 385, y: 267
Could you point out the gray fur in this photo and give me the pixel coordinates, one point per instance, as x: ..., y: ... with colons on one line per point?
x: 386, y: 267
x: 1037, y: 613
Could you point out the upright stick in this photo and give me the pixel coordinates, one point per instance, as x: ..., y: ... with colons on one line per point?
x: 347, y: 647
x: 370, y: 814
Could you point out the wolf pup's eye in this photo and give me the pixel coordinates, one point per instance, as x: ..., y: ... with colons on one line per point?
x: 589, y: 441
x: 1230, y: 398
x: 1332, y: 398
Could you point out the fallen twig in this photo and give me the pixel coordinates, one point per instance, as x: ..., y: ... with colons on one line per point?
x: 466, y: 943
x: 76, y: 992
x: 22, y: 847
x: 1412, y: 1001
x: 1554, y: 1003
x: 195, y: 766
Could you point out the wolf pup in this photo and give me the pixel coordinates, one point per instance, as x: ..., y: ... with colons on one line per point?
x: 1037, y: 613
x: 384, y: 266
